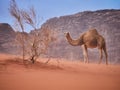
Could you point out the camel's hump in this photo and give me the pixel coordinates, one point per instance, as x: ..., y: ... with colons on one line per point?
x: 92, y: 31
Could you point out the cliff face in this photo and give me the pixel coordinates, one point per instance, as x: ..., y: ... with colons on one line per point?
x: 7, y: 35
x: 107, y: 22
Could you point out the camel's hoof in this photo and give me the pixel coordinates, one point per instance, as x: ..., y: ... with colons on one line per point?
x: 106, y: 63
x: 99, y: 63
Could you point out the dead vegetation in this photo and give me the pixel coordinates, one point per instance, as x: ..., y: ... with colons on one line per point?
x: 18, y: 62
x: 34, y: 44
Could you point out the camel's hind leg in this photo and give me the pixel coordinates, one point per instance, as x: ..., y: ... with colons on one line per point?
x: 106, y: 55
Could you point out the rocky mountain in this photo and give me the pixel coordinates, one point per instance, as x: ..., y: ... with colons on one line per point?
x: 7, y: 35
x: 107, y: 22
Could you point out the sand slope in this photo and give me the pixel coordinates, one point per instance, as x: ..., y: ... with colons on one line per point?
x: 53, y: 76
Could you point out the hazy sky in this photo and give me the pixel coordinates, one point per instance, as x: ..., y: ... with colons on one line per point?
x: 54, y: 8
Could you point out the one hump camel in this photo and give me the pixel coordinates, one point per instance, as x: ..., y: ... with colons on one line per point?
x: 89, y: 39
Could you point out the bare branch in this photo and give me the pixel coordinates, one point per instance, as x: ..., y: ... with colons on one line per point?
x: 29, y: 17
x: 16, y: 13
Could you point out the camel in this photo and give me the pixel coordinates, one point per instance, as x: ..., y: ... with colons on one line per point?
x: 89, y: 39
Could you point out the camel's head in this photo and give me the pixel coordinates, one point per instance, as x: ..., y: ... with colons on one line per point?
x: 66, y: 34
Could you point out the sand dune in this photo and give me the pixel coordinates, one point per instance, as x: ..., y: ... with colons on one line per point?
x: 65, y: 75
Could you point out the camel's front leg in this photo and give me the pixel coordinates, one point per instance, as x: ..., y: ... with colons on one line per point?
x: 101, y: 55
x: 85, y: 54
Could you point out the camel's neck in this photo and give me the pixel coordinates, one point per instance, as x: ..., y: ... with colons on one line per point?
x: 71, y: 41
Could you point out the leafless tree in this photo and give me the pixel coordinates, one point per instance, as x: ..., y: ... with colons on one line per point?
x: 30, y: 18
x: 38, y: 41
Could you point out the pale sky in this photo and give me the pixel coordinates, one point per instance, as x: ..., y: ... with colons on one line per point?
x: 47, y: 9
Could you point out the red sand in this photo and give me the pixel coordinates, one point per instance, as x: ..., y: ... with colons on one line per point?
x: 67, y: 76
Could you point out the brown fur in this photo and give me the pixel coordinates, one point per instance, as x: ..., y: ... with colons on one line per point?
x: 89, y: 39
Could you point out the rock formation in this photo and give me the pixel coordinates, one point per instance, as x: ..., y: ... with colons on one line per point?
x: 107, y: 22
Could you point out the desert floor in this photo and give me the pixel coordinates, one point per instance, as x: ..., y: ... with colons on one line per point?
x: 62, y: 75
